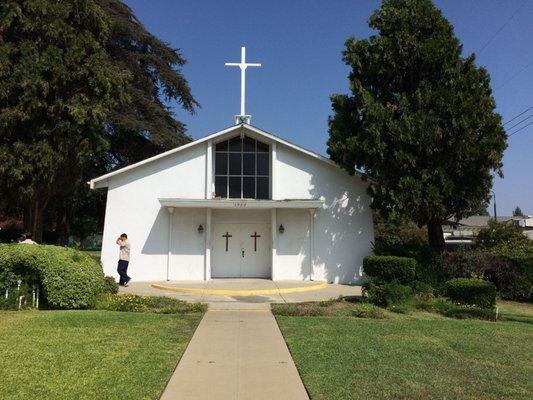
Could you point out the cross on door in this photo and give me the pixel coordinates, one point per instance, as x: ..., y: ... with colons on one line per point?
x: 227, y: 236
x: 255, y: 236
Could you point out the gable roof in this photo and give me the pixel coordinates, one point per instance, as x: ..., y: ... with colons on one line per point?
x: 215, y: 135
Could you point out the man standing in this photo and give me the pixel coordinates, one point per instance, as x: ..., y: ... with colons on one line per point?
x: 124, y: 259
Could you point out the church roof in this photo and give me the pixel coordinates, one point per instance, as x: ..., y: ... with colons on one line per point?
x: 251, y: 128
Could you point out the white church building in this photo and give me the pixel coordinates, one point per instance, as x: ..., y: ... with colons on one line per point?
x: 239, y: 203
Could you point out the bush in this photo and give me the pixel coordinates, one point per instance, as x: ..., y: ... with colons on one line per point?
x: 110, y: 285
x: 390, y: 268
x: 366, y: 310
x: 68, y: 278
x: 475, y: 292
x: 501, y: 233
x: 386, y: 294
x: 158, y: 305
x: 449, y: 309
x: 510, y: 269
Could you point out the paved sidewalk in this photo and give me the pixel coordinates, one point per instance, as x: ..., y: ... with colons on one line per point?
x: 236, y: 354
x: 277, y: 291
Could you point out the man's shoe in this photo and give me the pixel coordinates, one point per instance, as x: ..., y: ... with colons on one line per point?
x: 127, y: 283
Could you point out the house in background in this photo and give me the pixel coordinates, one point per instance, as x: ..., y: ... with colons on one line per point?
x: 240, y: 203
x: 464, y: 231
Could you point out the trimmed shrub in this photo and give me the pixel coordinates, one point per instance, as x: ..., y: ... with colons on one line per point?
x: 509, y: 269
x: 475, y: 292
x: 452, y: 310
x: 68, y: 278
x: 110, y: 285
x: 390, y: 268
x: 386, y: 294
x: 367, y: 310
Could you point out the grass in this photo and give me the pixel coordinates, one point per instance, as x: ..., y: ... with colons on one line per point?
x: 90, y: 354
x: 419, y: 355
x: 94, y: 254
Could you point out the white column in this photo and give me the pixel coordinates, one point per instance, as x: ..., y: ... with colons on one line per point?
x: 170, y: 217
x: 209, y: 170
x: 311, y: 241
x: 273, y: 160
x: 207, y: 261
x: 274, y: 232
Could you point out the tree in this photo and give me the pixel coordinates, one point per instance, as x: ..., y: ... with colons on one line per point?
x: 57, y: 84
x: 420, y: 119
x: 146, y: 125
x: 139, y: 125
x: 518, y: 212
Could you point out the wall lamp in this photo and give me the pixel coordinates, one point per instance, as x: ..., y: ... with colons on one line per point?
x: 200, y: 229
x: 281, y: 229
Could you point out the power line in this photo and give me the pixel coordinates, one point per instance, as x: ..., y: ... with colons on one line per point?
x: 518, y: 123
x: 502, y: 27
x: 516, y: 116
x: 519, y: 129
x: 515, y: 75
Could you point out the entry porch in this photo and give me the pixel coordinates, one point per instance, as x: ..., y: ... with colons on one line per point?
x: 244, y: 238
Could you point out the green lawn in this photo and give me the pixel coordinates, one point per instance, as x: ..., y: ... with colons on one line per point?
x: 89, y: 354
x: 94, y: 254
x: 418, y: 356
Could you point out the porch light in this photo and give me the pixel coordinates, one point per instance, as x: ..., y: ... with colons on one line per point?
x: 200, y: 229
x: 281, y: 228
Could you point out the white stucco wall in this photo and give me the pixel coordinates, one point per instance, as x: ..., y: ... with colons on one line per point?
x: 343, y: 228
x: 133, y: 207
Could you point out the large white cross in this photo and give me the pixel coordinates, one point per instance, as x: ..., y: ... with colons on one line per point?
x: 243, y: 65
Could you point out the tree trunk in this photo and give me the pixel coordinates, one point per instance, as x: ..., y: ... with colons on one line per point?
x: 37, y: 221
x: 33, y: 219
x: 435, y: 235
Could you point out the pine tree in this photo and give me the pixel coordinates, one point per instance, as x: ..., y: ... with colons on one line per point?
x: 420, y: 119
x: 518, y: 212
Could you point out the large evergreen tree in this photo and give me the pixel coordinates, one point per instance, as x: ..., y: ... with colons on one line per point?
x: 56, y: 87
x: 145, y: 126
x: 420, y: 119
x: 93, y: 43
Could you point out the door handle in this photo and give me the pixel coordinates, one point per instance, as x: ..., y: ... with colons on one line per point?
x: 242, y: 251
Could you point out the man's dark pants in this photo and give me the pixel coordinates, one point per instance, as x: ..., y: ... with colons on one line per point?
x: 123, y: 272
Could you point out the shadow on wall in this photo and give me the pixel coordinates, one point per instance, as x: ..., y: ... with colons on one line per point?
x: 343, y: 229
x: 157, y: 239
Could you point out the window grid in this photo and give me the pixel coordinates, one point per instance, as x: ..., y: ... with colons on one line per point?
x: 227, y: 176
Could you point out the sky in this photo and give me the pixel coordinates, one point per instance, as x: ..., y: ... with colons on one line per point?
x: 299, y: 44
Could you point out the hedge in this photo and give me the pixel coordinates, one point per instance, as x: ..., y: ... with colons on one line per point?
x: 512, y: 274
x: 386, y: 294
x: 68, y: 278
x: 471, y: 291
x: 390, y: 268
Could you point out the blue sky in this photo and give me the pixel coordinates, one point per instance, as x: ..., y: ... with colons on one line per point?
x: 300, y: 42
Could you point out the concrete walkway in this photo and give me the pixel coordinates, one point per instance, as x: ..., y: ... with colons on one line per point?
x: 236, y: 353
x: 243, y: 290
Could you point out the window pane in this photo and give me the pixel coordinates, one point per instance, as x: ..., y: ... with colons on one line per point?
x: 262, y: 147
x: 235, y: 187
x: 235, y: 144
x: 222, y: 146
x: 221, y: 187
x: 262, y: 188
x: 248, y: 164
x: 262, y: 164
x: 248, y: 144
x: 221, y: 163
x: 235, y: 163
x: 248, y: 187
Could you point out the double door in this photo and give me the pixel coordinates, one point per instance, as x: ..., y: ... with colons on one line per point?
x: 241, y: 250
